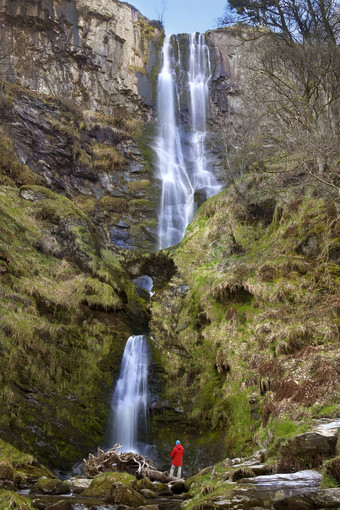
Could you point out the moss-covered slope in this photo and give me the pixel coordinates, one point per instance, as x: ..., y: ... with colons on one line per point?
x: 248, y: 329
x: 64, y: 304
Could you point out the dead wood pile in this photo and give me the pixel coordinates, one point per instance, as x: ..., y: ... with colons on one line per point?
x: 130, y: 462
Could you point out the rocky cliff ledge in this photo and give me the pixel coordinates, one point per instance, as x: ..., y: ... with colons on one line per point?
x: 98, y: 54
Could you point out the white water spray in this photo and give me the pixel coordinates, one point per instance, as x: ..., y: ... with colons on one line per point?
x: 182, y: 169
x: 130, y: 399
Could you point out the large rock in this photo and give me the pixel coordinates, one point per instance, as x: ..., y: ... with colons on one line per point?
x: 50, y: 486
x: 309, y: 445
x: 78, y: 485
x: 101, y: 485
x: 120, y: 494
x: 327, y: 498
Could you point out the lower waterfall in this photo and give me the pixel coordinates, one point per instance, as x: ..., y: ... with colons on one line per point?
x: 130, y: 398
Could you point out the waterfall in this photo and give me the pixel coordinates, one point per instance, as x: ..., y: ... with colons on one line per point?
x: 130, y: 398
x: 182, y: 162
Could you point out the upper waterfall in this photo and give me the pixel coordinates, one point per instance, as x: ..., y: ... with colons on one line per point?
x: 183, y: 167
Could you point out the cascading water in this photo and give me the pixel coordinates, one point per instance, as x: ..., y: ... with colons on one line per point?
x: 181, y: 159
x: 130, y: 398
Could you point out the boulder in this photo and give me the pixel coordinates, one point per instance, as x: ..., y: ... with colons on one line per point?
x: 50, y: 486
x: 101, y: 485
x: 32, y: 195
x: 78, y: 485
x: 120, y: 494
x: 162, y: 489
x: 148, y: 494
x: 145, y: 483
x: 309, y: 445
x: 326, y: 498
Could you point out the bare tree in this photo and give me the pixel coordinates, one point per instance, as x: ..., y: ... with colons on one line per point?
x: 161, y: 12
x: 312, y: 21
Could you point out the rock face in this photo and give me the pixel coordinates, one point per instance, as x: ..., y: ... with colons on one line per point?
x: 81, y: 81
x: 95, y: 53
x: 87, y: 157
x: 227, y: 52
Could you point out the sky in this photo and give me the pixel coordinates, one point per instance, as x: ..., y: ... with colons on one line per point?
x: 183, y: 16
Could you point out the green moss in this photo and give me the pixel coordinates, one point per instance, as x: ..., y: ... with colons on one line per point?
x: 138, y: 186
x: 102, y: 295
x: 328, y: 482
x: 50, y: 486
x: 113, y: 204
x: 101, y: 485
x: 11, y: 171
x: 24, y: 466
x: 329, y: 411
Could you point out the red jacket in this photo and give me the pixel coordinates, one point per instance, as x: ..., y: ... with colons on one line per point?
x: 177, y: 455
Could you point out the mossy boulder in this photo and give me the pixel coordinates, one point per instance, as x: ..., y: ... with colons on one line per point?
x: 120, y: 494
x: 162, y: 489
x: 20, y: 467
x: 102, y: 484
x: 50, y: 486
x: 145, y: 483
x: 148, y: 494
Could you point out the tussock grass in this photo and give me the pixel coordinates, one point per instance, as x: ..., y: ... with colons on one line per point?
x: 108, y: 159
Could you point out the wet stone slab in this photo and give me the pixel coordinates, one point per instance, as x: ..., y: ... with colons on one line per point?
x: 269, y: 490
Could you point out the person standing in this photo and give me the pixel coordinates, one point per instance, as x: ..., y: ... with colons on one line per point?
x: 177, y: 455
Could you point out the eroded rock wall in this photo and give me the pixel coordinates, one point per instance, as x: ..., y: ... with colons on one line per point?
x: 98, y: 54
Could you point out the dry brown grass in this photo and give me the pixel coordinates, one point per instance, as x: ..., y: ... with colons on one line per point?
x: 269, y: 409
x: 242, y: 472
x: 290, y: 464
x: 230, y: 291
x: 286, y: 389
x: 326, y: 380
x: 271, y: 368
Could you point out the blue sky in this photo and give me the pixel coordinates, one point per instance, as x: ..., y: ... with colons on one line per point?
x: 183, y: 16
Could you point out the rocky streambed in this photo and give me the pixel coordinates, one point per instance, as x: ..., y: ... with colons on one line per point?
x: 263, y: 481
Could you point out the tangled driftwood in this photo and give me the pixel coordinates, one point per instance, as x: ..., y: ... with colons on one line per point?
x: 130, y: 462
